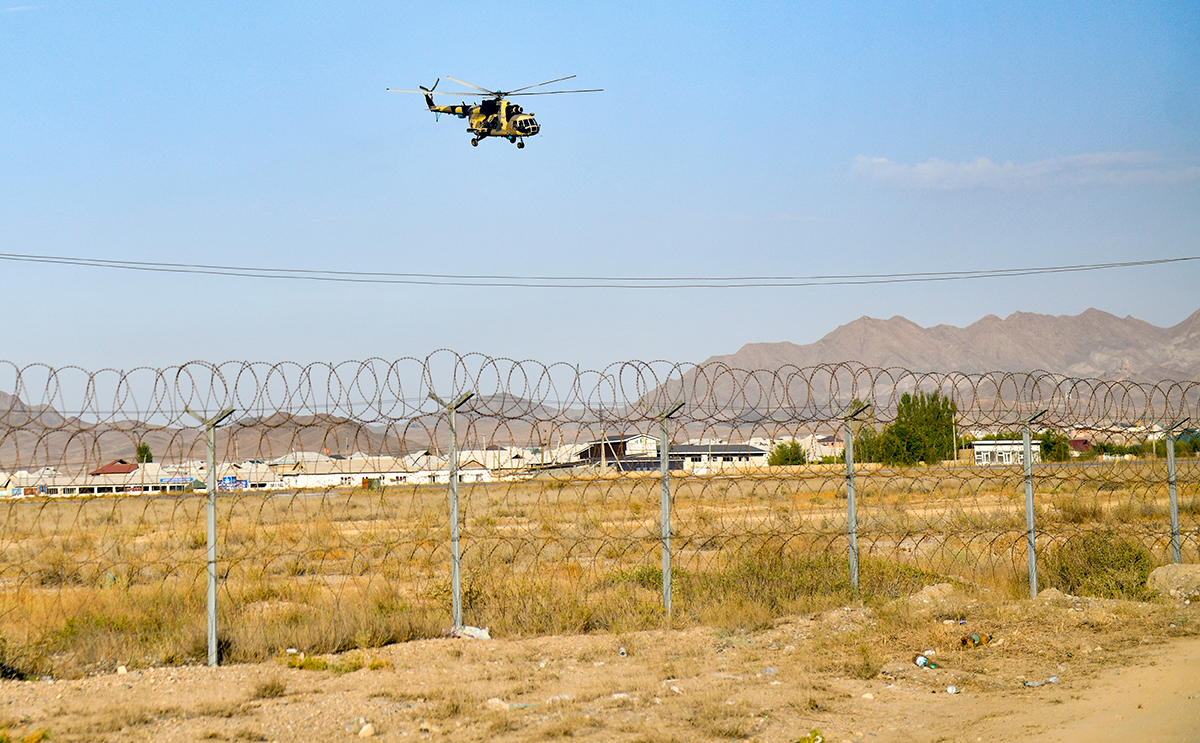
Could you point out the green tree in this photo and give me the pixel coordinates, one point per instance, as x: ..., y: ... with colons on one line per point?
x: 865, y: 432
x: 1055, y: 446
x: 144, y: 454
x: 866, y: 443
x: 1186, y: 444
x: 922, y: 432
x: 1002, y: 436
x: 1106, y: 448
x: 787, y: 453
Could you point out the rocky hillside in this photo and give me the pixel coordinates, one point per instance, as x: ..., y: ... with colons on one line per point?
x: 1092, y: 344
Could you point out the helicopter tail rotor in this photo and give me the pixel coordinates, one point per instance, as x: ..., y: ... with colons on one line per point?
x: 429, y: 93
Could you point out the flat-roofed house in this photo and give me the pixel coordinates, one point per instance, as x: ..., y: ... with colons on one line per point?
x: 1005, y: 452
x: 703, y: 459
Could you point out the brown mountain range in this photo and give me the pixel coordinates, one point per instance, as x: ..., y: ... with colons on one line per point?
x: 1091, y: 344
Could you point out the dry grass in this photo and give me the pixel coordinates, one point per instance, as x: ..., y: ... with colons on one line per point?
x: 452, y: 704
x: 269, y: 689
x: 499, y: 723
x: 338, y: 664
x: 221, y: 709
x: 568, y: 726
x: 1079, y: 510
x: 865, y: 664
x: 852, y: 641
x: 653, y: 736
x: 393, y: 695
x: 716, y: 716
x: 89, y: 584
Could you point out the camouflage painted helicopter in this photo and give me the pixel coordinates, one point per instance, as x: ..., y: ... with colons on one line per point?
x: 494, y: 117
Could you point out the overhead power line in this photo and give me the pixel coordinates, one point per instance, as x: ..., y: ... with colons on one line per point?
x: 573, y: 282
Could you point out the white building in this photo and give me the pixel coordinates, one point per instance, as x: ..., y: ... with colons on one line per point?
x: 1006, y: 452
x: 125, y: 476
x: 306, y: 469
x: 713, y: 458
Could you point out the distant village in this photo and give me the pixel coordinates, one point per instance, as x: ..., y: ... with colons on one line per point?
x: 611, y: 454
x: 308, y: 469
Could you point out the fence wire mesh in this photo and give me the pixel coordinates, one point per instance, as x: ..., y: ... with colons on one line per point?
x: 332, y: 505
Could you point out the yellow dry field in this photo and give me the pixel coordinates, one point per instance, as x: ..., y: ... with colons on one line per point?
x: 90, y: 584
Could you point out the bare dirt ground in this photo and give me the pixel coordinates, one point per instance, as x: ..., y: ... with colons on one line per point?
x: 1124, y: 670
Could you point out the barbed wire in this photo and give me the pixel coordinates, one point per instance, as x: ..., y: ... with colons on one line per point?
x: 333, y: 476
x: 379, y: 391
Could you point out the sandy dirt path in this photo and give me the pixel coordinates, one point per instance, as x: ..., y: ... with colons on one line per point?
x: 1158, y: 699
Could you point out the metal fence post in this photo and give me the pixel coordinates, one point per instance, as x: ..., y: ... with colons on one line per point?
x: 851, y: 513
x: 1030, y: 532
x: 455, y: 550
x: 1176, y: 551
x: 210, y: 436
x: 664, y: 446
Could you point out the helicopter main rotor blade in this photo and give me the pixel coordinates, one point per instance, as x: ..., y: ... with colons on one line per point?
x: 556, y: 92
x: 432, y: 92
x: 527, y: 87
x: 476, y: 87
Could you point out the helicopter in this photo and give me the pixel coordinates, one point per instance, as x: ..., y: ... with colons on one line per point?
x: 495, y: 116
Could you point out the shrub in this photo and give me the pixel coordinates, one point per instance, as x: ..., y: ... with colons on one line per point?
x: 770, y: 582
x: 270, y: 689
x: 1104, y: 564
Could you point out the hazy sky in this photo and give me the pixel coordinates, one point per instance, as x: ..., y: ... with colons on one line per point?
x: 730, y: 139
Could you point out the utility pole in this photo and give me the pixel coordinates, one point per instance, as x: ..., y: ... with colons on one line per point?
x: 210, y: 435
x: 455, y: 551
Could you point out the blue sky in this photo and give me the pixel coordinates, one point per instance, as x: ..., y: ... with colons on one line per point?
x: 731, y: 139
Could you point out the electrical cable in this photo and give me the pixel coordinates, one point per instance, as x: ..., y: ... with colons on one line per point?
x: 574, y: 282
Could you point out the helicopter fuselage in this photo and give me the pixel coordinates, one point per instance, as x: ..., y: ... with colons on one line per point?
x: 491, y: 118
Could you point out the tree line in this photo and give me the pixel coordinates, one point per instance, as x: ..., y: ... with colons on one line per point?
x: 924, y: 431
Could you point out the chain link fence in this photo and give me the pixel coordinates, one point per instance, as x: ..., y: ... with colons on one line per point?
x: 331, y: 490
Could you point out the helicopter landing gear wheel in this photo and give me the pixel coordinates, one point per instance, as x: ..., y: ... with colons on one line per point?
x: 474, y: 142
x: 521, y: 144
